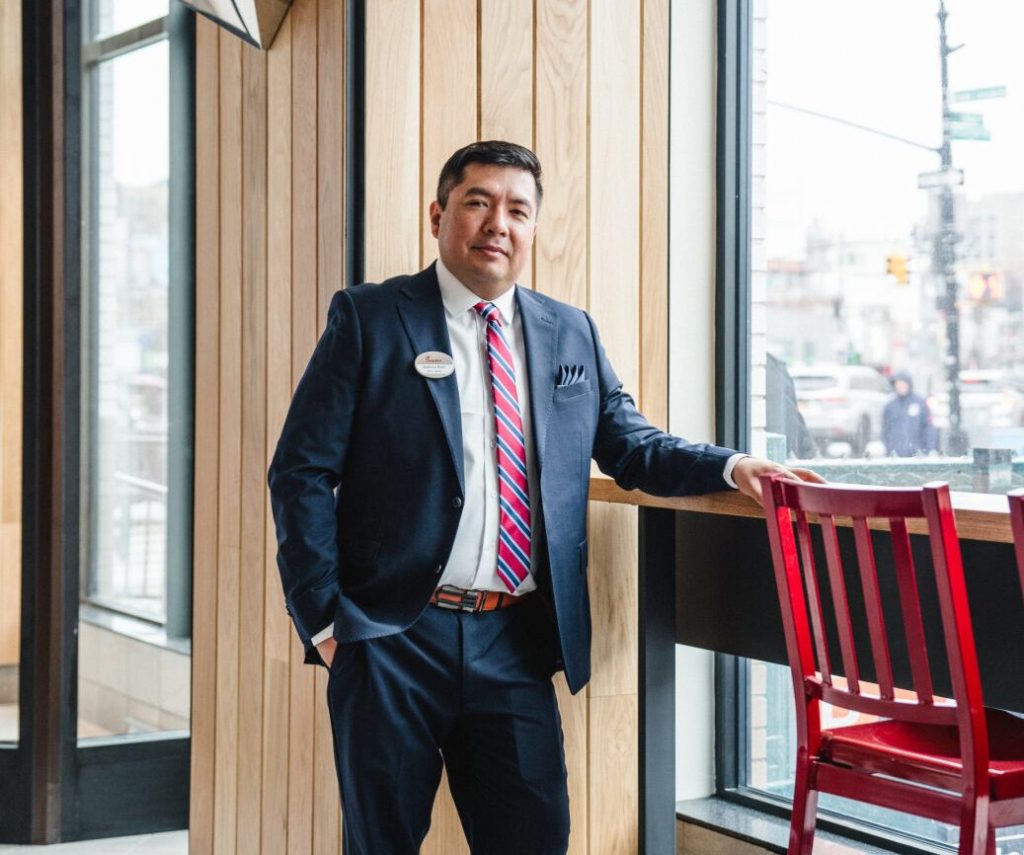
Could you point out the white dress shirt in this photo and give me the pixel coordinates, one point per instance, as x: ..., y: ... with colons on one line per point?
x: 473, y: 560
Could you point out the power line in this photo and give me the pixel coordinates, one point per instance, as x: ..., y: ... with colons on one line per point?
x: 857, y: 125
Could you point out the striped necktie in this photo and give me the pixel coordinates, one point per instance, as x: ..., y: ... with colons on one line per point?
x: 513, y: 487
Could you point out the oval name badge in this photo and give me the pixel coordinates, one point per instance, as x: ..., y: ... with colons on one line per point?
x: 434, y: 364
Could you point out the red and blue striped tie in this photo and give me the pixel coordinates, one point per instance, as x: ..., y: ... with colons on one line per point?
x: 513, y: 487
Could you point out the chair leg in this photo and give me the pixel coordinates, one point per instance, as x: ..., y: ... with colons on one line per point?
x: 805, y: 807
x: 976, y: 833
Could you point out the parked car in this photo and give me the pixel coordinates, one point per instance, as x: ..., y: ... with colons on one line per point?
x: 989, y: 398
x: 841, y: 403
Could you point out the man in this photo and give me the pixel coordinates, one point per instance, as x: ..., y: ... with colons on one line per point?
x: 907, y: 427
x: 430, y: 492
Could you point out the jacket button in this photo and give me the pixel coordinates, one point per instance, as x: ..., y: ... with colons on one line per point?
x: 438, y: 569
x: 456, y: 503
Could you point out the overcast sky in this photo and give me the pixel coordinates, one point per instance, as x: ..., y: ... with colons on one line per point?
x: 876, y: 62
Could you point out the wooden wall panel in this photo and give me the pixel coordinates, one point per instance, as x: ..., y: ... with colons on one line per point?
x: 393, y: 210
x: 330, y: 277
x: 252, y: 479
x: 330, y: 159
x: 11, y: 320
x: 613, y: 751
x: 585, y: 84
x: 304, y: 18
x: 654, y: 105
x: 205, y: 553
x: 613, y: 599
x: 560, y: 134
x: 506, y: 83
x: 449, y: 98
x: 302, y: 697
x: 614, y: 192
x: 614, y: 300
x: 277, y: 637
x: 506, y: 71
x: 229, y: 454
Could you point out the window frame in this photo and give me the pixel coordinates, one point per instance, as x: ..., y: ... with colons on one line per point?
x: 733, y: 290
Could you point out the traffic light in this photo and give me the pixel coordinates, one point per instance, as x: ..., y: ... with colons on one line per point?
x: 986, y: 286
x: 896, y: 266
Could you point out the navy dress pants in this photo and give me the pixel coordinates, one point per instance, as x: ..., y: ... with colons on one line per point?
x: 471, y: 691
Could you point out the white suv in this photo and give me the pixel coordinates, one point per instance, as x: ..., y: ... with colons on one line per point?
x: 841, y: 403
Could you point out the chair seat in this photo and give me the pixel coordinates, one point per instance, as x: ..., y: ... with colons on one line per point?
x: 930, y: 754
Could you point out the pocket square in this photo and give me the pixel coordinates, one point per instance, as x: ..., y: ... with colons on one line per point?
x: 569, y: 375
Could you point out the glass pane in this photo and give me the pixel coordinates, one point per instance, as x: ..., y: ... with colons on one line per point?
x: 887, y: 267
x: 887, y: 273
x: 131, y: 679
x: 11, y: 366
x: 10, y: 465
x: 115, y: 16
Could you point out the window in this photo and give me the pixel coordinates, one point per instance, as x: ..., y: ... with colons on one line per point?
x: 884, y: 291
x: 887, y: 219
x: 136, y: 343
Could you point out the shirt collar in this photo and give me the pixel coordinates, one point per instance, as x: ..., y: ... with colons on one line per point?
x: 457, y: 298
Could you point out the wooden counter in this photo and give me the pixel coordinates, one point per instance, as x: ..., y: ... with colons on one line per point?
x: 978, y: 516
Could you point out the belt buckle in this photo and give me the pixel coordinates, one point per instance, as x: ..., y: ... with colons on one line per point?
x: 467, y: 600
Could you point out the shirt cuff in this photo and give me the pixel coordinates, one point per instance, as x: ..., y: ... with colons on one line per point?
x: 730, y: 464
x: 328, y: 631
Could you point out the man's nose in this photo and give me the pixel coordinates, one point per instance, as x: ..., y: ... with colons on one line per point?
x: 497, y: 222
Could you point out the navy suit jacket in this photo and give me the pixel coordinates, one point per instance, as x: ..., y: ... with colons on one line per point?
x: 367, y: 479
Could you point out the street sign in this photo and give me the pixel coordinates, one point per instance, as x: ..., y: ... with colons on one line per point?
x: 982, y: 94
x: 974, y: 120
x: 941, y: 178
x: 968, y: 132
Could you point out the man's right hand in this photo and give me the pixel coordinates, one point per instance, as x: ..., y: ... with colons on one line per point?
x: 327, y: 648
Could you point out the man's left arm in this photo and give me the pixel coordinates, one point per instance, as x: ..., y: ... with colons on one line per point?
x: 640, y: 456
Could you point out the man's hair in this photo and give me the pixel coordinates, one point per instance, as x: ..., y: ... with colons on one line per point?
x: 495, y: 152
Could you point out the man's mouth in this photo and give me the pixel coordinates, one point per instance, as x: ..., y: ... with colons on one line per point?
x: 491, y: 250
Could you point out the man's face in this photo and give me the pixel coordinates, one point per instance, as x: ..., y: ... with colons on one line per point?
x: 485, y: 232
x: 902, y: 388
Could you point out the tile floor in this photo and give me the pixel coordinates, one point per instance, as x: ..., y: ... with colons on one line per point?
x: 167, y: 843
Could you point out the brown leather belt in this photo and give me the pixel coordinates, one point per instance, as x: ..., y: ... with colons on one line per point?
x: 461, y: 600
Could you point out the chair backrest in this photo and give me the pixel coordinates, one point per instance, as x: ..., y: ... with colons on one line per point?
x: 812, y: 659
x: 1016, y: 499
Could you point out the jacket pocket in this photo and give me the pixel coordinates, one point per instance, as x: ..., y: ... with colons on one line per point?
x: 573, y: 390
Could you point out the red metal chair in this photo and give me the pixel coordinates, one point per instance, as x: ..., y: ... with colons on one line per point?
x: 952, y: 760
x: 1016, y: 498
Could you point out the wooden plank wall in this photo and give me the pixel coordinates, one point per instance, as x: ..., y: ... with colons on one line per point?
x: 583, y: 82
x: 11, y: 321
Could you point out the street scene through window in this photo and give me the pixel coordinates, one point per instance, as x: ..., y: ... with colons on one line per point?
x: 888, y: 241
x: 887, y: 273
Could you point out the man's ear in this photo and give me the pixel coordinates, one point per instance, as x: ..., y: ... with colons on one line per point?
x: 435, y: 217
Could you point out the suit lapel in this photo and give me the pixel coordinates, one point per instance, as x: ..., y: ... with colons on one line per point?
x: 422, y: 314
x: 540, y: 332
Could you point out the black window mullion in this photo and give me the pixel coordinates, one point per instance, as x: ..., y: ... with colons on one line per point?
x: 732, y: 249
x: 732, y: 333
x: 181, y: 322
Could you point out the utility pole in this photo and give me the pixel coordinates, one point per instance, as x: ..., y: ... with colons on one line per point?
x: 944, y: 255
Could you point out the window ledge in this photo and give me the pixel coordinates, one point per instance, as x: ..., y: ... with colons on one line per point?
x: 979, y: 516
x: 771, y: 833
x: 133, y: 627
